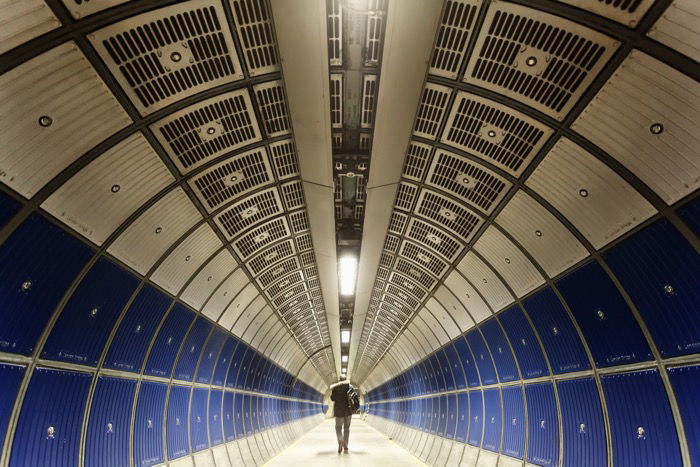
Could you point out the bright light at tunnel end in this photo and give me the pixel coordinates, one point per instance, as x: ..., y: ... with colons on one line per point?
x: 345, y: 337
x: 347, y: 274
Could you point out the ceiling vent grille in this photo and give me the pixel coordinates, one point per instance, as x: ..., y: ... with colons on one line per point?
x: 314, y: 283
x: 504, y: 137
x: 255, y: 33
x: 405, y: 196
x: 284, y: 267
x: 293, y: 194
x: 434, y: 238
x: 369, y: 89
x: 627, y: 12
x: 382, y: 274
x: 208, y: 129
x: 161, y: 56
x: 299, y: 221
x: 250, y: 211
x: 336, y: 100
x: 335, y: 32
x: 273, y: 108
x: 284, y: 158
x: 424, y: 258
x: 410, y: 285
x: 316, y: 294
x: 467, y: 180
x: 290, y: 295
x: 260, y: 237
x: 431, y: 109
x: 374, y: 32
x: 452, y: 216
x: 453, y: 36
x: 304, y: 242
x: 414, y: 272
x: 386, y: 260
x: 232, y: 178
x: 307, y: 258
x: 285, y: 283
x: 288, y: 310
x: 311, y: 271
x: 540, y: 59
x: 397, y: 222
x: 270, y: 256
x: 401, y: 307
x: 391, y: 243
x: 417, y: 159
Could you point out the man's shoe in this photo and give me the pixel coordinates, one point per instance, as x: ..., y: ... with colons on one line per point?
x: 340, y: 447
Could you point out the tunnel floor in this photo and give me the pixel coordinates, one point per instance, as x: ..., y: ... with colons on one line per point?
x: 368, y: 447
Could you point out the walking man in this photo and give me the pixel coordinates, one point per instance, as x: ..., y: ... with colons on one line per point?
x: 346, y: 402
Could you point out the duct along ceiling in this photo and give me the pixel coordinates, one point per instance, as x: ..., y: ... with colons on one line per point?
x: 524, y: 209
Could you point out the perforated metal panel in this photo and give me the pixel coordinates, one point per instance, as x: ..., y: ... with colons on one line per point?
x: 468, y: 181
x: 96, y: 200
x: 241, y: 215
x: 624, y: 118
x: 587, y: 192
x: 458, y: 17
x: 626, y: 12
x: 451, y: 305
x: 484, y: 279
x: 259, y: 237
x: 552, y: 245
x: 55, y: 108
x: 272, y: 105
x: 284, y: 267
x: 470, y: 299
x: 158, y: 60
x: 424, y: 258
x: 502, y: 136
x: 238, y: 305
x: 149, y: 236
x: 678, y: 28
x: 415, y: 272
x: 256, y: 35
x: 540, y: 59
x: 224, y: 294
x: 270, y: 256
x: 432, y: 107
x: 448, y: 214
x: 444, y: 319
x: 208, y: 278
x: 284, y: 159
x: 29, y: 19
x: 433, y: 238
x: 208, y: 129
x: 369, y: 90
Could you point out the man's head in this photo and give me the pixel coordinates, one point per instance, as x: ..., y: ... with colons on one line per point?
x: 341, y: 378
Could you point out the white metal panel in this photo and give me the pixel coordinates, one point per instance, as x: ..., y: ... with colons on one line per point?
x: 238, y: 305
x: 434, y: 325
x: 55, y: 108
x: 221, y: 456
x: 270, y: 335
x: 96, y: 200
x: 224, y: 294
x: 184, y: 462
x: 627, y: 13
x: 149, y: 236
x: 453, y: 306
x: 417, y: 342
x: 515, y: 268
x: 443, y: 317
x: 258, y: 332
x: 422, y: 330
x: 679, y: 28
x: 409, y: 351
x: 186, y: 258
x: 23, y: 20
x: 624, y: 116
x: 210, y: 277
x: 484, y: 279
x: 248, y: 316
x: 552, y: 245
x: 204, y: 459
x: 400, y: 353
x: 600, y: 204
x: 506, y: 461
x: 487, y: 458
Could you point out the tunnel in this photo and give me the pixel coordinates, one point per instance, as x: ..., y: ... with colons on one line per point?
x: 482, y: 214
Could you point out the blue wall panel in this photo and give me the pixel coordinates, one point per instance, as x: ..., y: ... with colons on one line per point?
x: 210, y: 355
x: 167, y: 343
x: 642, y: 427
x: 442, y: 424
x: 559, y: 337
x: 229, y: 417
x: 215, y: 405
x: 492, y: 420
x: 451, y: 416
x: 110, y: 423
x: 456, y: 366
x: 487, y: 372
x: 244, y: 368
x: 525, y: 345
x: 236, y: 360
x: 130, y: 343
x: 435, y: 414
x: 48, y: 432
x: 468, y: 365
x: 659, y: 269
x: 223, y: 361
x: 686, y: 386
x: 582, y: 423
x: 38, y: 262
x: 514, y: 422
x: 252, y: 371
x: 192, y: 350
x: 11, y: 377
x: 247, y: 418
x: 446, y: 368
x: 176, y: 423
x: 690, y: 213
x: 239, y: 416
x: 86, y: 321
x: 476, y: 417
x: 500, y: 350
x: 198, y: 419
x: 8, y: 208
x: 608, y: 325
x: 426, y: 414
x: 148, y: 424
x: 543, y: 424
x: 462, y: 417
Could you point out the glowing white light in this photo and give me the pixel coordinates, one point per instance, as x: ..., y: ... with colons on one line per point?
x: 345, y: 337
x: 344, y: 370
x: 347, y: 274
x: 344, y: 359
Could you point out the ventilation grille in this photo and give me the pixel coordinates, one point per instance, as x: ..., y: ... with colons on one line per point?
x: 448, y: 214
x: 409, y: 285
x: 391, y: 243
x: 232, y: 178
x: 627, y: 12
x: 414, y: 272
x: 273, y: 108
x: 285, y: 283
x: 501, y: 135
x: 386, y: 260
x: 397, y: 301
x: 299, y: 221
x: 382, y: 274
x: 261, y: 236
x: 284, y: 267
x: 290, y: 294
x: 307, y: 258
x: 270, y: 256
x: 336, y: 100
x: 284, y: 158
x: 466, y: 180
x: 405, y: 196
x: 416, y: 162
x: 291, y: 309
x: 424, y: 258
x: 374, y: 32
x: 431, y: 109
x: 335, y: 32
x: 434, y: 238
x: 369, y: 89
x: 161, y: 56
x: 311, y: 272
x: 250, y: 211
x: 314, y: 283
x: 256, y: 35
x: 397, y: 222
x: 293, y: 194
x: 540, y: 59
x: 304, y: 242
x: 453, y: 36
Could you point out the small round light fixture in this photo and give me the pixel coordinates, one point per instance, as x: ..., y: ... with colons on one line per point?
x: 209, y: 278
x: 188, y: 257
x: 507, y: 260
x: 211, y: 130
x: 175, y: 56
x: 491, y: 133
x: 115, y: 188
x: 538, y: 233
x: 158, y: 230
x: 656, y: 128
x: 531, y: 61
x: 234, y: 178
x: 45, y: 121
x: 583, y: 193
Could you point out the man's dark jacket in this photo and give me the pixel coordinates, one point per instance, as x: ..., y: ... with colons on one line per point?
x: 339, y: 395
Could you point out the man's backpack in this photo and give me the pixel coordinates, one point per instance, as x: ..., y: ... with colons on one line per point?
x: 353, y: 399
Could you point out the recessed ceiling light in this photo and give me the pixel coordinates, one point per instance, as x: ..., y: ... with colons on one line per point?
x: 45, y: 121
x: 656, y: 128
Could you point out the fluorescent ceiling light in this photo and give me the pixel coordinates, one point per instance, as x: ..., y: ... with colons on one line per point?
x: 345, y: 337
x: 347, y: 274
x: 344, y: 359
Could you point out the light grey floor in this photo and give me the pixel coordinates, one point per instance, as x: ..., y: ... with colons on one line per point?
x: 368, y: 448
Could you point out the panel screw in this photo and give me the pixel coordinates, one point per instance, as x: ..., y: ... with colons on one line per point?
x: 159, y: 230
x: 209, y: 279
x: 175, y: 56
x: 45, y: 121
x: 115, y: 188
x: 583, y: 193
x: 538, y: 233
x: 507, y: 260
x: 188, y: 257
x: 656, y: 128
x: 531, y: 61
x: 26, y: 285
